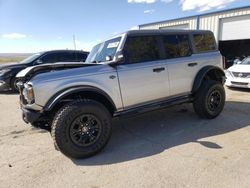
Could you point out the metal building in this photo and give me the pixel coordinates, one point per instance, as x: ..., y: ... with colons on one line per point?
x: 230, y: 27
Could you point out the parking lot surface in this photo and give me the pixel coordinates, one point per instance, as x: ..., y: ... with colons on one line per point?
x: 166, y: 148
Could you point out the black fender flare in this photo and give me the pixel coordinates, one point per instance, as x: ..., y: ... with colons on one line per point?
x: 202, y: 73
x: 61, y: 94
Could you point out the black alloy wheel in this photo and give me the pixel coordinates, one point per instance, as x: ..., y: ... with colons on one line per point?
x: 214, y: 100
x: 85, y: 130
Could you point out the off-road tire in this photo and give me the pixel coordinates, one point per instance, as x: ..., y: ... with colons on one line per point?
x: 203, y: 98
x: 64, y: 119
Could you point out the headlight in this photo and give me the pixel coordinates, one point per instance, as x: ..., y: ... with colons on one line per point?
x: 228, y: 74
x: 28, y: 94
x: 4, y: 71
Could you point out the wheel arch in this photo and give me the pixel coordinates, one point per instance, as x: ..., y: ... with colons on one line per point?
x: 208, y: 73
x: 80, y: 93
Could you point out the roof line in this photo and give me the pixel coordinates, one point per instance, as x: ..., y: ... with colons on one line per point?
x: 197, y: 15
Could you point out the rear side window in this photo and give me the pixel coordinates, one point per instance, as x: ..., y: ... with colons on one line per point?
x: 81, y: 57
x: 141, y: 49
x: 204, y: 42
x: 176, y: 46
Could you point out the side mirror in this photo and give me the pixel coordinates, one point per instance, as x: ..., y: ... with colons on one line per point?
x: 120, y: 57
x: 38, y: 62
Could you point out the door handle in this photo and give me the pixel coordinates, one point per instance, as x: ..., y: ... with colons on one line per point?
x: 192, y: 64
x: 158, y: 69
x: 112, y: 76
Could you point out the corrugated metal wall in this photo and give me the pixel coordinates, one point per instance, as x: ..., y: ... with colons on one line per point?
x: 212, y: 22
x: 192, y: 22
x: 206, y: 21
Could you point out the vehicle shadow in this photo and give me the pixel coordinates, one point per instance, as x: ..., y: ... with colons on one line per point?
x: 152, y: 133
x: 8, y: 93
x: 239, y: 89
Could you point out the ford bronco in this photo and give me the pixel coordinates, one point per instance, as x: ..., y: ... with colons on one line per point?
x: 134, y: 72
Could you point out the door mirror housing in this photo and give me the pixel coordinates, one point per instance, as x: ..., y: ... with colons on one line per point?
x: 119, y: 58
x: 38, y: 62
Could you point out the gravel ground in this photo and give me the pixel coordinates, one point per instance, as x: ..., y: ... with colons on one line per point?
x: 167, y: 148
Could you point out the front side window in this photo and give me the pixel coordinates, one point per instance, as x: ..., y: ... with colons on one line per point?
x: 101, y: 51
x: 49, y: 58
x: 141, y: 49
x: 30, y: 58
x: 204, y: 42
x: 176, y: 46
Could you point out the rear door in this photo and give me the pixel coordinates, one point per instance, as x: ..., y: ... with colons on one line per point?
x: 182, y: 67
x: 143, y: 77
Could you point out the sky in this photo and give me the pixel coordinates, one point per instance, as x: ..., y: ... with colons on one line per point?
x: 28, y: 26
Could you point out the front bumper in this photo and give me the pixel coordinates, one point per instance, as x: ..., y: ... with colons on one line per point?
x: 238, y: 82
x: 30, y: 116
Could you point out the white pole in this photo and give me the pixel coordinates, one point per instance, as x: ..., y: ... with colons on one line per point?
x: 74, y: 41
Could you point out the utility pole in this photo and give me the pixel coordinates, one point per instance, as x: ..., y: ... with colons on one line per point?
x: 74, y: 41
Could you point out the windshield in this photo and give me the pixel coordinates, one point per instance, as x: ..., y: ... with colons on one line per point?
x: 30, y: 58
x: 101, y: 51
x: 246, y: 61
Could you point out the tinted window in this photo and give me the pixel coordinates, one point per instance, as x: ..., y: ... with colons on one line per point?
x: 141, y: 49
x: 66, y: 56
x: 176, y: 46
x: 204, y: 42
x: 49, y: 58
x: 81, y: 57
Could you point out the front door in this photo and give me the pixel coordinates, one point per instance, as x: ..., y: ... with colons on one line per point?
x: 143, y: 77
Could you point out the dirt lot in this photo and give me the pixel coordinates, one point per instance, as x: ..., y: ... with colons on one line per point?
x: 167, y: 148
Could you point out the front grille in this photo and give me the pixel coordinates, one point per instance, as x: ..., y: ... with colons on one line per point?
x: 240, y: 83
x: 241, y: 74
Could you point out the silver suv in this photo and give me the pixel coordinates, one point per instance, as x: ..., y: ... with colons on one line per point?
x: 134, y: 72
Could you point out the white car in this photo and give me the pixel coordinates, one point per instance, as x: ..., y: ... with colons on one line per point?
x: 239, y: 75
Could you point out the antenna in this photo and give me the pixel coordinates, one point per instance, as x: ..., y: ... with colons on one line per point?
x: 74, y: 41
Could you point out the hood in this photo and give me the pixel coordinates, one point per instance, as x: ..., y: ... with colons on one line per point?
x: 30, y: 72
x: 12, y: 65
x: 240, y: 68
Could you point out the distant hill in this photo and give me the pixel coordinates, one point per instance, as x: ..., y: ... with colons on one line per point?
x: 13, y: 57
x: 15, y: 54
